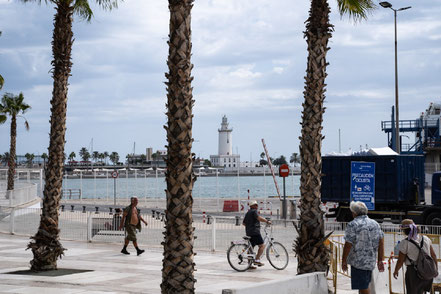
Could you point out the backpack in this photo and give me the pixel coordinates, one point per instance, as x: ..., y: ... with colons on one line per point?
x: 424, y: 265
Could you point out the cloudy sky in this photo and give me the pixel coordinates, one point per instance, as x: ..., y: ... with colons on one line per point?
x: 249, y: 61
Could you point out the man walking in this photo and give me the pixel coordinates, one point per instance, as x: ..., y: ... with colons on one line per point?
x: 251, y: 222
x: 131, y: 221
x: 364, y: 241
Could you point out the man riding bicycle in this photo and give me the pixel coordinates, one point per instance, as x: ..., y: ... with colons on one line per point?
x: 251, y: 222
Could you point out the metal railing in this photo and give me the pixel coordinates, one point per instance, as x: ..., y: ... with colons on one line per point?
x: 212, y: 233
x: 25, y: 194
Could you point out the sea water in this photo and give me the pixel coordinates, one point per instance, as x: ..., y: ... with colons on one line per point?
x: 204, y: 187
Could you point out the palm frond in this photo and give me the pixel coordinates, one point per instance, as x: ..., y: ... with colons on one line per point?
x: 83, y: 10
x: 108, y: 4
x: 2, y: 82
x: 356, y: 9
x: 2, y: 119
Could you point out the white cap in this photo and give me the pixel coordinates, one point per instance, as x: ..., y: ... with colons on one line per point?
x: 254, y: 202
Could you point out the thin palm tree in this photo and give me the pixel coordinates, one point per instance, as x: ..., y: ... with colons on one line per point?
x: 45, y: 245
x: 13, y: 106
x: 312, y: 254
x: 178, y: 262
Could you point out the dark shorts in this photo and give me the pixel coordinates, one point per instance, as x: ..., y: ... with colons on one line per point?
x: 256, y: 240
x: 131, y: 232
x: 360, y: 279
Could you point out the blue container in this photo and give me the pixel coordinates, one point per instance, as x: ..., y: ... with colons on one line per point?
x: 398, y: 178
x: 436, y: 188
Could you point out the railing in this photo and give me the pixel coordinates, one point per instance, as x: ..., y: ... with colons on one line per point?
x: 71, y: 193
x: 403, y: 124
x: 25, y: 194
x: 212, y: 233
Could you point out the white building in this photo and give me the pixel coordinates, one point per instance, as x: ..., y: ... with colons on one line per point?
x: 225, y: 156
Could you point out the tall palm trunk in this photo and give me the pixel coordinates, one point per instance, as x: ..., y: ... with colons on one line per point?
x: 46, y: 246
x: 12, y: 156
x: 311, y: 252
x: 178, y: 263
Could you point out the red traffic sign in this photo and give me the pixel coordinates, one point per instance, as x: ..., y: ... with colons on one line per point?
x: 283, y: 170
x: 114, y: 174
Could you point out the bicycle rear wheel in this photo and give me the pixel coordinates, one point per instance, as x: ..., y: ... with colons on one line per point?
x: 237, y: 258
x: 277, y: 255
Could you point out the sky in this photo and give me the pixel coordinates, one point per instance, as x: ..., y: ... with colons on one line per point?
x: 249, y: 61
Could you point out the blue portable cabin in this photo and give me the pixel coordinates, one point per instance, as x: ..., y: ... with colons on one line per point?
x: 398, y: 179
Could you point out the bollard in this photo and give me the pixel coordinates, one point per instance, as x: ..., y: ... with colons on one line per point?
x: 62, y: 208
x: 237, y: 220
x: 203, y: 217
x: 162, y: 217
x: 208, y: 219
x: 153, y: 213
x: 72, y: 208
x: 110, y: 208
x: 158, y: 214
x: 96, y: 209
x: 84, y: 209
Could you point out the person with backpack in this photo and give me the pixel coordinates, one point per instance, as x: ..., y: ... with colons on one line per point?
x: 417, y: 253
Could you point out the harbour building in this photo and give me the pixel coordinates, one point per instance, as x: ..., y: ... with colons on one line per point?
x: 225, y: 157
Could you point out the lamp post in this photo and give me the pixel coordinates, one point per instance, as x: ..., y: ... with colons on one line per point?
x: 386, y: 4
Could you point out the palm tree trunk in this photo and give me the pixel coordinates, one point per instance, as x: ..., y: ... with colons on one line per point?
x: 46, y: 246
x: 312, y: 254
x: 12, y: 155
x: 178, y: 263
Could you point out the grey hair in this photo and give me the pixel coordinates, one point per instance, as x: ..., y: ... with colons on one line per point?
x: 358, y: 208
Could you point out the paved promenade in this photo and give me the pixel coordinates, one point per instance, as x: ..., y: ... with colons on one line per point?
x: 113, y: 272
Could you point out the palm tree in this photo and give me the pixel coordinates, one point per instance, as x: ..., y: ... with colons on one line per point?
x: 45, y: 246
x: 29, y: 159
x: 95, y: 156
x: 13, y: 106
x: 312, y: 254
x: 72, y: 156
x: 85, y: 155
x: 178, y: 261
x: 114, y: 157
x: 5, y: 157
x: 106, y: 155
x: 294, y: 158
x: 44, y: 157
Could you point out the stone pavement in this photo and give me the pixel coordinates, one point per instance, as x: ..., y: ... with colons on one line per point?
x: 113, y: 272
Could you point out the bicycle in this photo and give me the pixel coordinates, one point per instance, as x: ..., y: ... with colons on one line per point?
x: 241, y: 255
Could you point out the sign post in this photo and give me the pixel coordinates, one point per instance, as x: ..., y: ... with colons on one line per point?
x: 284, y: 172
x: 114, y: 176
x: 363, y: 183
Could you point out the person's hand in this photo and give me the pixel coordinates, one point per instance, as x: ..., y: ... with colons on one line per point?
x: 145, y: 222
x: 396, y: 275
x: 268, y: 222
x: 380, y: 265
x: 344, y: 266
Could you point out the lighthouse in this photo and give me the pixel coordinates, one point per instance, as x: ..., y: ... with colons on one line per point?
x: 225, y: 138
x: 225, y: 157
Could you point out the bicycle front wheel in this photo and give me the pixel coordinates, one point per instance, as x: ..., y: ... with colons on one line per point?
x: 237, y: 257
x: 277, y: 255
